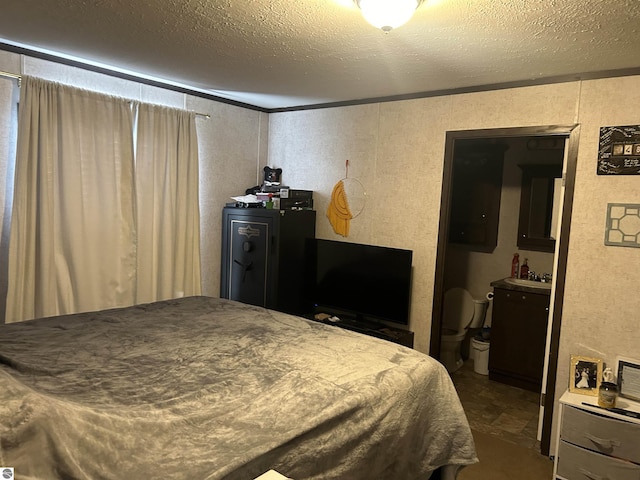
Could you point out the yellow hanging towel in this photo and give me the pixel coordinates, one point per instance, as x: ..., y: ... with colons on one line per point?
x: 338, y: 212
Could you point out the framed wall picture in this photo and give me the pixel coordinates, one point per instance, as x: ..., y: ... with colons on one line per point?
x: 629, y: 379
x: 619, y: 150
x: 585, y: 375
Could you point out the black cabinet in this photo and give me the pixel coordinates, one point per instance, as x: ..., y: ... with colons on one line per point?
x: 518, y: 336
x: 263, y: 257
x: 391, y: 334
x: 537, y: 207
x: 378, y: 330
x: 475, y: 196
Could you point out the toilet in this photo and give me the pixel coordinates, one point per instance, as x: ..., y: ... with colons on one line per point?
x: 460, y: 312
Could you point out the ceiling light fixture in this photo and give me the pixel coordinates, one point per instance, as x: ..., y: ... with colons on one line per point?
x: 388, y: 14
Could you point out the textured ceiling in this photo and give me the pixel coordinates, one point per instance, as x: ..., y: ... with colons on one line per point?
x: 291, y: 53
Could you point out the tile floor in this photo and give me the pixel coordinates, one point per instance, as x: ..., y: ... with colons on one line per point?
x: 498, y: 409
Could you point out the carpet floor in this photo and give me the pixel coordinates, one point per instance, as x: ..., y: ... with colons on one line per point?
x: 501, y: 460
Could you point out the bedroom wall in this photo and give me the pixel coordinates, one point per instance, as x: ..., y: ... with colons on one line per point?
x: 233, y: 143
x: 396, y: 150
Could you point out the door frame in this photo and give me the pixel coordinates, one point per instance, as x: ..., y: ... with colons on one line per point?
x: 572, y: 133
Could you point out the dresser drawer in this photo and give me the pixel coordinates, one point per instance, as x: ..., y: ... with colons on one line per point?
x: 609, y: 436
x: 575, y: 463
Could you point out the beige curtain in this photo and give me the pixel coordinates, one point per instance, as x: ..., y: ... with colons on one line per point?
x: 9, y: 93
x: 72, y: 244
x: 168, y: 217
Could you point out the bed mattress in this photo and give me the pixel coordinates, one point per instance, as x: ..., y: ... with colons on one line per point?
x: 208, y: 388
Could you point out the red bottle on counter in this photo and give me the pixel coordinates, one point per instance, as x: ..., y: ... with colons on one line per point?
x: 515, y: 265
x: 524, y: 269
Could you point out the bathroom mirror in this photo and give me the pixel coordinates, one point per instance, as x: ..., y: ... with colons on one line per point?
x: 539, y: 207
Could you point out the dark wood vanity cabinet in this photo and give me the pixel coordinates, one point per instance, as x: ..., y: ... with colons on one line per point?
x: 518, y: 334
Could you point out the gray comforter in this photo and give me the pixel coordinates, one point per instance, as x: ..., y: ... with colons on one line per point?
x: 205, y: 388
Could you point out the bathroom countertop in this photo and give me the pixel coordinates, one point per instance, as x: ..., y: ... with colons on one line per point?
x: 520, y: 288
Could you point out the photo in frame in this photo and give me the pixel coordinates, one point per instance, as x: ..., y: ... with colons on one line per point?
x: 629, y: 379
x: 585, y: 375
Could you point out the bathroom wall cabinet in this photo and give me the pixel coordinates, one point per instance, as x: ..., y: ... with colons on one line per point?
x: 475, y: 196
x: 537, y: 207
x: 518, y: 334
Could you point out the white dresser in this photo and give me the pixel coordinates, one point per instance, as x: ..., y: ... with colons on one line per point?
x: 594, y: 443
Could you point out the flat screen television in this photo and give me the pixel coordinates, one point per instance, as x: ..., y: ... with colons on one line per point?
x: 364, y: 283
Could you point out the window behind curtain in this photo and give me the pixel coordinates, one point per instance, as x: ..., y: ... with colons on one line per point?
x: 9, y: 94
x: 74, y: 233
x: 168, y: 218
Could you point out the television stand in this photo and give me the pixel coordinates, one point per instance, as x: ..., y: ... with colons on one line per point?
x: 373, y: 329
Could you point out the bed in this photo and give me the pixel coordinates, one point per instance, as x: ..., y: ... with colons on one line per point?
x: 207, y: 388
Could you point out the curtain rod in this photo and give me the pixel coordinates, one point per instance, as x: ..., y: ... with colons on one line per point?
x: 12, y: 75
x: 18, y: 78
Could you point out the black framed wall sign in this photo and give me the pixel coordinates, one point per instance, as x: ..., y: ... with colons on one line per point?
x: 619, y: 150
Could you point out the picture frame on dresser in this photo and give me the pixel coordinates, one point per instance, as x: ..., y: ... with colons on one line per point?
x: 629, y: 379
x: 585, y: 375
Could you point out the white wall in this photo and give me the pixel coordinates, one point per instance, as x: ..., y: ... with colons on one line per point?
x: 397, y: 149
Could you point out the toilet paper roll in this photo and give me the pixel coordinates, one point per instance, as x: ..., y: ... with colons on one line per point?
x: 489, y: 296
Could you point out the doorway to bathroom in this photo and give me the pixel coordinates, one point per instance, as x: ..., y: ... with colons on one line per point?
x: 475, y: 263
